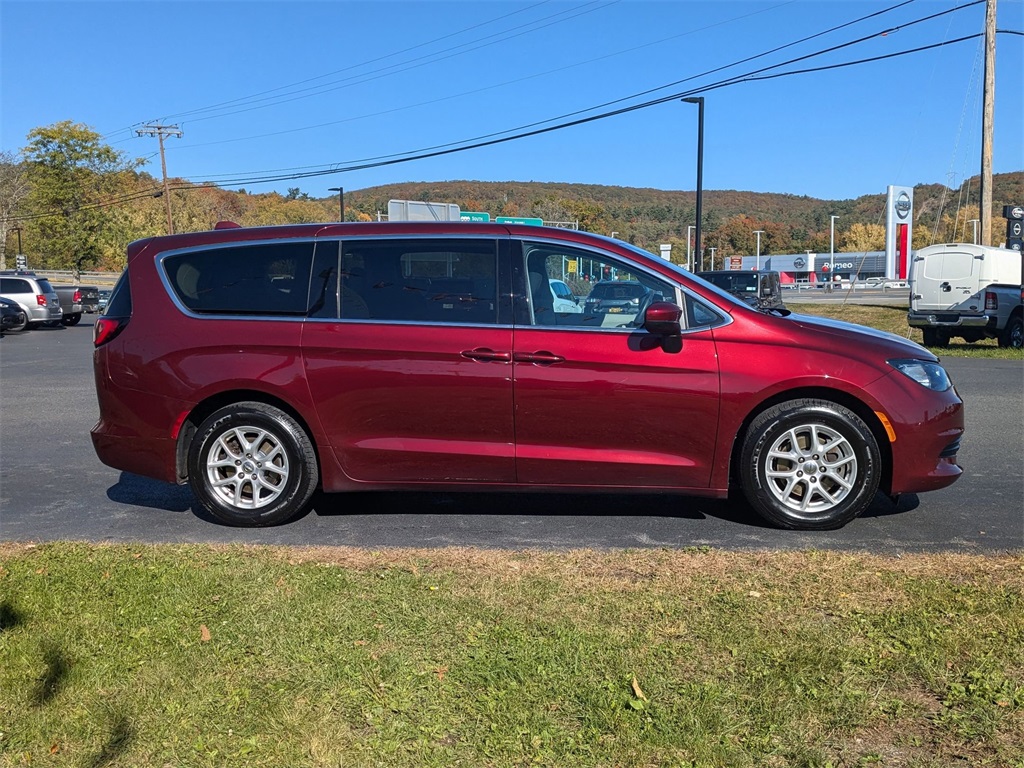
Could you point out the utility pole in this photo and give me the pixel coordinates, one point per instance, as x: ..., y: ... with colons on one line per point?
x: 160, y: 131
x: 987, y: 122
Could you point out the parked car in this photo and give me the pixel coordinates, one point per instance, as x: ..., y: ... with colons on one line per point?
x: 258, y: 365
x: 104, y: 297
x: 76, y: 299
x: 34, y: 294
x: 12, y: 316
x: 70, y: 303
x: 565, y: 299
x: 615, y: 297
x: 90, y: 298
x: 760, y: 289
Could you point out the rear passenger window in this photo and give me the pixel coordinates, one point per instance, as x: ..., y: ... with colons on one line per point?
x: 14, y: 285
x: 265, y: 279
x: 441, y: 281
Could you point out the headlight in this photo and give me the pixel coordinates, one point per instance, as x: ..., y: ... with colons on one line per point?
x: 930, y: 375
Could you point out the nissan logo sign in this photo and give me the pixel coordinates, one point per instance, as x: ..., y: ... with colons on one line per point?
x: 902, y: 205
x: 799, y: 262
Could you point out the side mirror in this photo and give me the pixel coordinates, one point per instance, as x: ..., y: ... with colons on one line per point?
x: 662, y: 318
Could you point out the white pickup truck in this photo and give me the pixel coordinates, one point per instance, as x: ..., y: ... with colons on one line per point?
x: 968, y: 291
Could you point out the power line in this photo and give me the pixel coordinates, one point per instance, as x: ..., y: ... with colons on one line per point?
x: 632, y: 96
x: 523, y: 132
x: 754, y: 76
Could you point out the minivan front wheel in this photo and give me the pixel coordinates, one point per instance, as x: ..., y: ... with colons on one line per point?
x: 251, y: 464
x: 809, y: 465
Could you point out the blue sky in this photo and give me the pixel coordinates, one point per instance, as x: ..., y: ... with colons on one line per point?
x: 263, y: 89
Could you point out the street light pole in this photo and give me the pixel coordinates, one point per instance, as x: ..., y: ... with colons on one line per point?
x: 699, y: 101
x: 975, y: 223
x: 831, y: 250
x: 341, y: 200
x: 689, y: 250
x: 758, y: 232
x: 832, y: 243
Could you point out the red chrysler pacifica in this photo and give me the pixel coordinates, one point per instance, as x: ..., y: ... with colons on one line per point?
x: 258, y: 365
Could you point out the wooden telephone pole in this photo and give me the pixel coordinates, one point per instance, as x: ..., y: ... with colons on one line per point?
x: 987, y: 123
x: 160, y: 131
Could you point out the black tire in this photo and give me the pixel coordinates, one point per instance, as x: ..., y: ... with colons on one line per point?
x: 19, y: 327
x: 71, y: 319
x: 1013, y: 334
x: 934, y: 337
x: 794, y: 484
x: 227, y: 475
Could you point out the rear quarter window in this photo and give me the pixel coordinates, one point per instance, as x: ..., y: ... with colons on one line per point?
x: 14, y: 285
x: 262, y: 279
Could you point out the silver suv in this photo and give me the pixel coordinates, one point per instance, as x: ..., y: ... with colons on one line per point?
x: 35, y: 295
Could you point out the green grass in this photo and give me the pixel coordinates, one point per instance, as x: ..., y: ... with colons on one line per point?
x: 894, y: 320
x: 207, y: 656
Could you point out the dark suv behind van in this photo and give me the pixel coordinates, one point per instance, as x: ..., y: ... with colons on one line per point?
x: 258, y: 365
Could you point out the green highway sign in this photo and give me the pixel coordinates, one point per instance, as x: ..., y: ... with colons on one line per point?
x: 474, y: 216
x: 518, y: 220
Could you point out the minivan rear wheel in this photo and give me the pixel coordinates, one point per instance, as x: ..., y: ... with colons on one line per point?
x: 251, y: 465
x: 809, y: 465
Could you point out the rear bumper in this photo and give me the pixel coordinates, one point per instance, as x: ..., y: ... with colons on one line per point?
x: 146, y: 456
x: 939, y: 319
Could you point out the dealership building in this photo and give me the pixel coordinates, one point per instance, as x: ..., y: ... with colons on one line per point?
x: 815, y: 267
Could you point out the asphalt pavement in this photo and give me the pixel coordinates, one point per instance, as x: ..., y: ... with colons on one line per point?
x: 52, y: 486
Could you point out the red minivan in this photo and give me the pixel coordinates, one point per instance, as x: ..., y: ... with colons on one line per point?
x: 258, y: 365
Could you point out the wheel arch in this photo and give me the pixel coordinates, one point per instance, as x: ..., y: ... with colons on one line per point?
x: 203, y: 409
x: 845, y: 399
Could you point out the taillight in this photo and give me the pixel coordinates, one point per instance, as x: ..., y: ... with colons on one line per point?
x: 991, y: 300
x: 76, y: 297
x: 107, y: 328
x: 40, y: 300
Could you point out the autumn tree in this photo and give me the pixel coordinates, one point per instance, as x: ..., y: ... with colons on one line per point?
x: 860, y: 238
x: 13, y: 189
x: 74, y: 178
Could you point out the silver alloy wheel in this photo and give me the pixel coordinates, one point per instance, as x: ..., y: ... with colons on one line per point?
x: 247, y: 467
x: 811, y: 468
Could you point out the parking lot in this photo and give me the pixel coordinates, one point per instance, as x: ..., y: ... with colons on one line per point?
x: 53, y: 487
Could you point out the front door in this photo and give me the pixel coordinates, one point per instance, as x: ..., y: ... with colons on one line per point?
x: 598, y: 402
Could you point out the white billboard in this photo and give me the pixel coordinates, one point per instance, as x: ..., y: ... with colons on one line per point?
x: 416, y: 210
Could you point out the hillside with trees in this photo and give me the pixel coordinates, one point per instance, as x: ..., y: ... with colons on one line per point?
x: 76, y: 204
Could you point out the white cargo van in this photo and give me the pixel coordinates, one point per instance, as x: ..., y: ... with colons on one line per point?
x: 965, y: 290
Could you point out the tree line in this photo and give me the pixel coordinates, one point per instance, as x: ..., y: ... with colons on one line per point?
x: 75, y: 203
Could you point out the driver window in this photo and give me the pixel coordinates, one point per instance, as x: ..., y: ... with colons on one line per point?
x: 575, y: 287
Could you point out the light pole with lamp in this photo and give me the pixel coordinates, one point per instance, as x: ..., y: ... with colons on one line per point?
x: 699, y: 101
x: 341, y: 200
x: 758, y: 232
